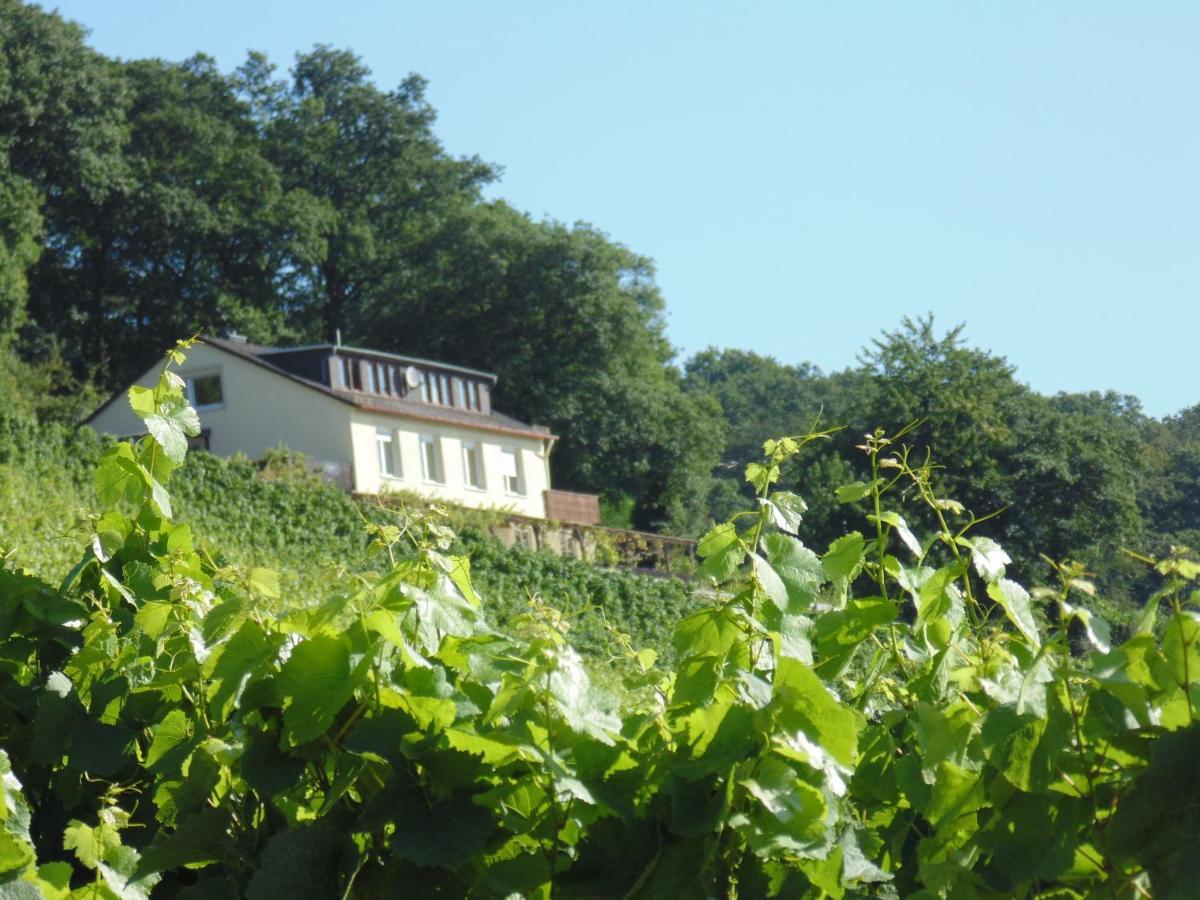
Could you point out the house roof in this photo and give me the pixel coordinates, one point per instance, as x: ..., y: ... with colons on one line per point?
x: 492, y: 421
x: 377, y: 354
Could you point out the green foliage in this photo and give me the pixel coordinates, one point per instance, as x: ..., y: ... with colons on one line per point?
x: 893, y: 717
x: 1077, y: 475
x: 274, y: 512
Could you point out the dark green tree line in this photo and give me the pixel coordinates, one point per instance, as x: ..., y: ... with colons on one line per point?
x: 142, y: 201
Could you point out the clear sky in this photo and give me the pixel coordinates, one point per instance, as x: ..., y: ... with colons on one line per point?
x: 805, y: 174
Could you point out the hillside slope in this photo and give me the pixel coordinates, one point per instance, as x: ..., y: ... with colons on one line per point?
x: 277, y: 517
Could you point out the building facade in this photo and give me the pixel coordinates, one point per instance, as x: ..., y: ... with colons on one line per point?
x: 373, y: 422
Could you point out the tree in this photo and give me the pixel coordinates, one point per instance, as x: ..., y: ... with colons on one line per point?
x: 187, y: 246
x: 761, y: 398
x: 364, y: 180
x: 573, y: 325
x: 61, y: 133
x: 20, y: 228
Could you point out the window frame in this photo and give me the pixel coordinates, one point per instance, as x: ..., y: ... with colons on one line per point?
x: 518, y: 472
x: 432, y: 455
x: 474, y: 448
x: 189, y: 389
x: 385, y: 451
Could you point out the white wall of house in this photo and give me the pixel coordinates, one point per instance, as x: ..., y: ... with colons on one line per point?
x: 406, y: 435
x: 259, y: 410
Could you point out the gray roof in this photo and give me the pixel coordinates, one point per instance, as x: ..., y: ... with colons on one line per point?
x: 378, y: 354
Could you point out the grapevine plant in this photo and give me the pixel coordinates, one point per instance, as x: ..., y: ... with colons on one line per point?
x: 892, y: 717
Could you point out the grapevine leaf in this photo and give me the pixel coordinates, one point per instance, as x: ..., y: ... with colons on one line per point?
x: 787, y: 511
x: 299, y: 863
x: 232, y: 666
x: 171, y: 424
x: 571, y: 690
x: 265, y: 582
x: 169, y: 745
x: 59, y: 710
x: 770, y: 582
x: 316, y: 682
x: 141, y: 400
x: 839, y: 633
x: 807, y: 705
x: 956, y: 792
x: 988, y: 557
x: 152, y: 618
x: 119, y: 869
x: 1157, y: 821
x: 90, y: 843
x: 796, y: 809
x: 1181, y: 647
x: 715, y: 737
x: 445, y: 834
x: 797, y: 567
x: 897, y: 523
x: 1014, y: 600
x: 54, y: 879
x: 196, y: 840
x: 722, y: 551
x: 100, y: 750
x: 120, y: 478
x: 709, y: 632
x: 849, y: 493
x: 843, y: 556
x: 15, y: 855
x: 1094, y: 628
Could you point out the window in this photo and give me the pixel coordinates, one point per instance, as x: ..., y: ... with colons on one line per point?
x: 351, y: 374
x: 510, y: 471
x: 460, y: 399
x: 204, y: 391
x: 473, y: 466
x: 424, y: 381
x: 387, y: 454
x: 372, y: 385
x: 473, y: 395
x: 431, y: 460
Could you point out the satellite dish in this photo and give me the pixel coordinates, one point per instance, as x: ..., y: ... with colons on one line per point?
x: 412, y: 376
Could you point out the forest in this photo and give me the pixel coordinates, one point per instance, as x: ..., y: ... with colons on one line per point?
x: 142, y: 201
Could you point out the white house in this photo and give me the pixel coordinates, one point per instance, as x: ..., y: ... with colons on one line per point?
x: 375, y: 422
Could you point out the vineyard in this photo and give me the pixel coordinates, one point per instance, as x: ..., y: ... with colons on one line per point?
x: 890, y: 717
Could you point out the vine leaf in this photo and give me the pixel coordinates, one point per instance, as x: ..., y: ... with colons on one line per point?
x: 1014, y: 600
x: 316, y: 682
x: 171, y: 424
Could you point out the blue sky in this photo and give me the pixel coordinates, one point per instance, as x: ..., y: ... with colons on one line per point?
x: 806, y: 174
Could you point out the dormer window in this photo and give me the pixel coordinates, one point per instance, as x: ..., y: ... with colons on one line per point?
x: 413, y: 381
x: 351, y: 376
